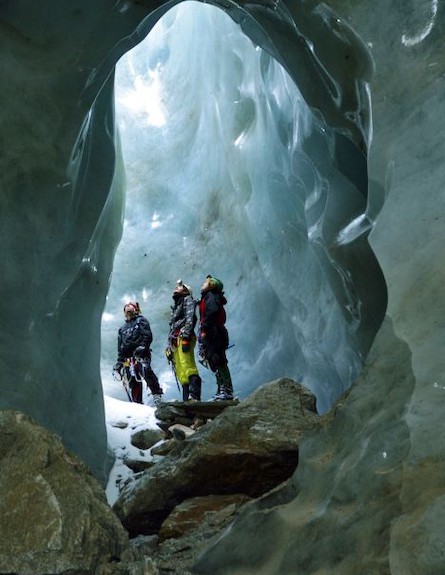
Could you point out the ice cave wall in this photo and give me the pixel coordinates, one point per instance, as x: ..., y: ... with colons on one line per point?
x: 61, y: 223
x: 406, y: 177
x: 59, y: 220
x: 229, y: 170
x: 377, y: 478
x: 62, y: 205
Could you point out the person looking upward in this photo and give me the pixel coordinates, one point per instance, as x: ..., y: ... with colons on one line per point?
x: 213, y: 336
x: 134, y: 340
x: 182, y: 340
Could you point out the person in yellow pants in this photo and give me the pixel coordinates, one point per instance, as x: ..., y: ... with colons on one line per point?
x: 182, y: 340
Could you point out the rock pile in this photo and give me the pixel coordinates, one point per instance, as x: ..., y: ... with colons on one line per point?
x: 246, y: 450
x: 55, y: 518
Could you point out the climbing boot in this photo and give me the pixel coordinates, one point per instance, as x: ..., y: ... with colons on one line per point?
x: 195, y: 387
x: 225, y: 387
x: 157, y: 399
x: 224, y: 395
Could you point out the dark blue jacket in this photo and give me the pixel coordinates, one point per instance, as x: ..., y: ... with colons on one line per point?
x: 134, y: 333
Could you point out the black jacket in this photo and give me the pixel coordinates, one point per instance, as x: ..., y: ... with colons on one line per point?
x: 183, y: 317
x: 134, y: 333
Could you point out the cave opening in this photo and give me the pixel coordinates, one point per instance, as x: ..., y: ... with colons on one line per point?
x: 229, y: 172
x: 188, y: 139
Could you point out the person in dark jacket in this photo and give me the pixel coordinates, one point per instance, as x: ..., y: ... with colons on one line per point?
x: 182, y: 341
x: 213, y: 337
x: 133, y: 341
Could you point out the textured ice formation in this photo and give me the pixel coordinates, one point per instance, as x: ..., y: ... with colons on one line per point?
x: 284, y: 187
x: 229, y: 172
x: 61, y: 213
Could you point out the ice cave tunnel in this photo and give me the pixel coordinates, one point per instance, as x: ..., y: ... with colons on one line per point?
x: 229, y: 172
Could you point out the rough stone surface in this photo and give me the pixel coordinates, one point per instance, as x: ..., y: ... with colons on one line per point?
x: 137, y: 465
x: 163, y: 448
x: 189, y: 515
x: 248, y: 449
x: 146, y: 438
x: 187, y: 413
x: 177, y: 555
x: 180, y: 432
x: 54, y: 517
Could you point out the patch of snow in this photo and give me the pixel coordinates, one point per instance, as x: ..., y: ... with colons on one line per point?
x: 124, y: 419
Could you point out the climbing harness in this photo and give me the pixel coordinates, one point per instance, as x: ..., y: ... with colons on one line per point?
x: 131, y: 370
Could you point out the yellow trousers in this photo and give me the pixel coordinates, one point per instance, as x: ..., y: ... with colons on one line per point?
x: 185, y: 365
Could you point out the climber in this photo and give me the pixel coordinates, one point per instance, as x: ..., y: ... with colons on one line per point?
x: 213, y: 337
x: 182, y: 341
x: 134, y: 339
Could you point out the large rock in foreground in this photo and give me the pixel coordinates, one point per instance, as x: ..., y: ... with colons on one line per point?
x: 248, y: 449
x: 54, y: 517
x: 350, y: 515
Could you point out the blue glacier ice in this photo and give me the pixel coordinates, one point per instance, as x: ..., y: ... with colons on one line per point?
x: 290, y: 196
x: 229, y: 172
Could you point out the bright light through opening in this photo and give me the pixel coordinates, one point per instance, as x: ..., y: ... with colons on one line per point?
x: 143, y: 98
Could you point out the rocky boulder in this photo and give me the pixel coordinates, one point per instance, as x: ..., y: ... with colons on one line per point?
x: 146, y: 438
x: 190, y: 514
x: 54, y: 517
x: 192, y: 413
x: 248, y: 449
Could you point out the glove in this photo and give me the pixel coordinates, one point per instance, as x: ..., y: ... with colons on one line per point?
x: 118, y: 366
x: 185, y: 345
x: 139, y: 351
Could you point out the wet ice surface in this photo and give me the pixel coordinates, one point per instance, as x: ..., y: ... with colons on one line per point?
x: 229, y: 173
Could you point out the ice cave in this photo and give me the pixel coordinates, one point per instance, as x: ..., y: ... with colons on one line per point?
x: 204, y: 194
x: 293, y: 148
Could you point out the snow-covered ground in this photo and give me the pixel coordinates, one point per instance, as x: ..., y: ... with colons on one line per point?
x: 123, y: 419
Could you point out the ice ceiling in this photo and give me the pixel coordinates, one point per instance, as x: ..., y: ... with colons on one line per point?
x: 229, y: 172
